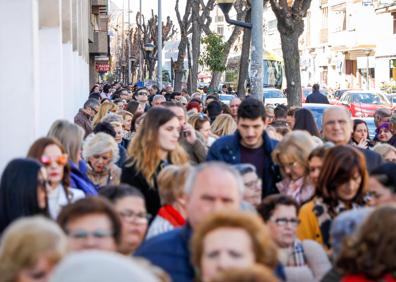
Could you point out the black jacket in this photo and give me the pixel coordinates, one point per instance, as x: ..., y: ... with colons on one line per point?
x: 317, y: 97
x: 130, y: 175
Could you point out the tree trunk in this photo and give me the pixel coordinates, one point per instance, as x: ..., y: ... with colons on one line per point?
x: 195, y: 43
x: 291, y: 58
x: 244, y: 62
x: 214, y: 82
x: 179, y: 64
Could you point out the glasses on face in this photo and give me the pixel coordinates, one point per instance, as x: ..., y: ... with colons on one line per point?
x: 283, y: 221
x: 95, y: 110
x: 290, y: 165
x: 82, y: 234
x: 60, y: 160
x: 138, y: 217
x: 253, y: 183
x: 143, y: 93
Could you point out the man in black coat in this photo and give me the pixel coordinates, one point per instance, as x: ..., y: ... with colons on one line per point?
x: 316, y: 96
x: 337, y: 128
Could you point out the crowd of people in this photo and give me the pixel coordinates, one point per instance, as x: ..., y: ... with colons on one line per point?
x: 150, y: 184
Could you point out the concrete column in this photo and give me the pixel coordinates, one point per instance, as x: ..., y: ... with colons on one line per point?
x: 50, y: 63
x: 18, y: 78
x: 67, y: 58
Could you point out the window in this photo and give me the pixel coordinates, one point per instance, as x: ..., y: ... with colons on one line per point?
x: 394, y: 23
x: 219, y: 19
x: 220, y: 30
x: 325, y: 16
x: 340, y: 17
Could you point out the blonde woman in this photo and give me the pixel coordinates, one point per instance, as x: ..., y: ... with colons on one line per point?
x: 201, y: 123
x: 126, y: 124
x: 155, y: 145
x: 30, y: 248
x: 173, y: 213
x: 116, y: 122
x: 100, y: 151
x: 223, y: 125
x: 291, y: 155
x: 104, y: 109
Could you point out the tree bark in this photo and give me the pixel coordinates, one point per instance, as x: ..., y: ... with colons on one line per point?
x: 291, y: 57
x: 195, y: 43
x: 291, y: 26
x: 244, y: 62
x: 178, y: 66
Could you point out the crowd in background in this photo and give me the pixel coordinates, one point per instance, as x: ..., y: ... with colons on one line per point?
x: 150, y: 184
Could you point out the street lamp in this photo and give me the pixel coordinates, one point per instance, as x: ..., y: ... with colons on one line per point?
x: 256, y: 55
x: 149, y: 48
x: 225, y: 6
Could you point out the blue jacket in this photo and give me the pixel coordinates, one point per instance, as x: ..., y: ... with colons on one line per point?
x: 317, y: 97
x: 227, y: 149
x: 80, y: 180
x: 170, y: 251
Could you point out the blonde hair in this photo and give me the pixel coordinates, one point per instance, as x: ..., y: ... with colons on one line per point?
x: 100, y: 143
x: 298, y: 144
x: 124, y: 114
x: 384, y: 149
x: 144, y: 148
x: 171, y: 182
x: 264, y: 248
x: 70, y: 135
x: 104, y: 109
x: 25, y: 241
x: 223, y: 125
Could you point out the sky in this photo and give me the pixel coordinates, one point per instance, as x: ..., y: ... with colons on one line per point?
x: 168, y: 7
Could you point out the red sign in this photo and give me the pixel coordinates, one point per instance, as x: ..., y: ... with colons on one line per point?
x: 102, y: 67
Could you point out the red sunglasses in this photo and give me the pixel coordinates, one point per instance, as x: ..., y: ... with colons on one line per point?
x: 61, y: 160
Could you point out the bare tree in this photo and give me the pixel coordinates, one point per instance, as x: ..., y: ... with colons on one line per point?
x: 184, y: 26
x: 291, y: 26
x: 244, y: 62
x: 149, y: 34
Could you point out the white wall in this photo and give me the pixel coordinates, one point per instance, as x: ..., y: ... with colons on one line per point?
x: 42, y: 78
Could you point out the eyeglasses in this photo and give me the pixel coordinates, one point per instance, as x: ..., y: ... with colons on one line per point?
x: 283, y: 221
x: 253, y: 183
x: 95, y: 110
x: 138, y: 217
x: 82, y: 234
x: 143, y: 93
x: 290, y: 165
x: 60, y: 160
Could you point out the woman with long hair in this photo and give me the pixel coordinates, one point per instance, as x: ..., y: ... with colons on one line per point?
x: 23, y: 191
x: 51, y: 154
x: 223, y: 125
x: 155, y: 145
x: 104, y: 109
x: 304, y: 120
x: 342, y: 185
x: 71, y: 137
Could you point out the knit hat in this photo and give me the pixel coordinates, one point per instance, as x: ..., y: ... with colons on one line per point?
x: 345, y: 225
x: 100, y: 266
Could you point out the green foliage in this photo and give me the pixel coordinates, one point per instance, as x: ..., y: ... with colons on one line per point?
x: 213, y: 56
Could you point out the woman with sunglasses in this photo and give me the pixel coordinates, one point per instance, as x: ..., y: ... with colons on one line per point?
x: 23, y: 191
x: 51, y: 154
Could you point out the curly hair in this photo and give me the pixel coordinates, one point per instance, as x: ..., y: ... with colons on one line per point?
x: 264, y: 248
x: 371, y: 251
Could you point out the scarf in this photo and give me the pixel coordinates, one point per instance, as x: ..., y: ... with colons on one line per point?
x: 321, y: 210
x: 170, y: 214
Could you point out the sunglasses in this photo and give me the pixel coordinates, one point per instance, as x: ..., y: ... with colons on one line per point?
x: 47, y: 161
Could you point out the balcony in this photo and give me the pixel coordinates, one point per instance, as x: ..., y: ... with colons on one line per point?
x: 99, y: 2
x: 100, y: 43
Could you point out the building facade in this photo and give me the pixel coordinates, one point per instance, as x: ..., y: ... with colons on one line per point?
x: 44, y: 54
